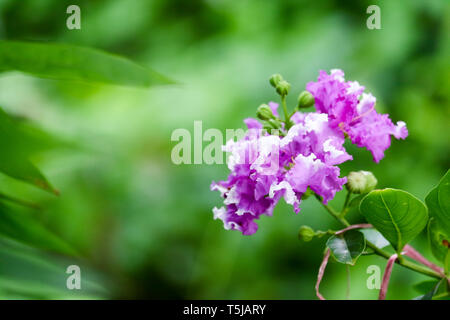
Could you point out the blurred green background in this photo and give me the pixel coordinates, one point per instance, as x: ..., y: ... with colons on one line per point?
x: 142, y: 225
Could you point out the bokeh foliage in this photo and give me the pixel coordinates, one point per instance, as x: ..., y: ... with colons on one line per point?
x: 141, y: 226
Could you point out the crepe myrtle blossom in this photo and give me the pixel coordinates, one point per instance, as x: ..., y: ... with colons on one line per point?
x: 353, y: 111
x: 265, y: 168
x: 303, y: 153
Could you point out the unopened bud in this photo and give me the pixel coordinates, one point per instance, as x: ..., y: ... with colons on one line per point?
x: 305, y: 100
x: 275, y: 80
x: 361, y: 182
x: 264, y: 112
x: 306, y: 233
x: 283, y: 88
x: 274, y: 123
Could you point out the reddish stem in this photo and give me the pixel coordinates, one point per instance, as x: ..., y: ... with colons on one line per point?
x: 415, y: 255
x: 354, y: 226
x: 321, y: 272
x: 387, y: 276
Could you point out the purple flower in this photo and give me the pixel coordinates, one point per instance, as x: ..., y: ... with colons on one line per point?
x: 254, y: 165
x: 353, y: 115
x: 265, y: 168
x: 252, y: 123
x: 311, y: 172
x: 313, y: 134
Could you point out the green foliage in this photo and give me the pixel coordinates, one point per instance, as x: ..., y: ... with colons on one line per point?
x: 430, y: 289
x: 375, y: 237
x: 27, y: 229
x: 17, y: 146
x: 133, y: 212
x: 346, y: 248
x: 31, y: 273
x: 397, y: 214
x: 438, y: 202
x: 19, y: 141
x: 68, y: 62
x: 7, y: 198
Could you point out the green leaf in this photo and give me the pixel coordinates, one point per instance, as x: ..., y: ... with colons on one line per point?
x: 17, y: 145
x: 68, y: 62
x: 354, y: 203
x: 23, y: 169
x: 429, y: 295
x: 26, y: 229
x: 375, y: 237
x: 348, y: 247
x: 33, y: 274
x: 398, y: 215
x: 5, y: 197
x: 438, y: 202
x: 425, y: 286
x: 438, y: 241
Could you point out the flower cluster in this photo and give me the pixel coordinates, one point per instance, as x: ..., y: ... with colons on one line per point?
x: 303, y: 152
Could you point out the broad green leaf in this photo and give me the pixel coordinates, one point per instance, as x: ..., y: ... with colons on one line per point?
x: 375, y: 237
x: 68, y: 62
x: 398, y: 215
x: 346, y: 248
x: 17, y: 145
x: 26, y: 229
x: 438, y: 202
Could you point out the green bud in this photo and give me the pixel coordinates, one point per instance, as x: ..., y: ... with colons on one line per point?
x: 361, y: 182
x: 274, y: 123
x: 283, y: 88
x: 305, y: 100
x: 275, y: 80
x: 264, y: 112
x: 306, y: 233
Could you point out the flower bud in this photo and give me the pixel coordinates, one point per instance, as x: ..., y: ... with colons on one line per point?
x: 305, y: 100
x: 275, y: 80
x: 361, y: 181
x: 274, y: 123
x: 264, y: 112
x: 283, y: 87
x: 306, y: 233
